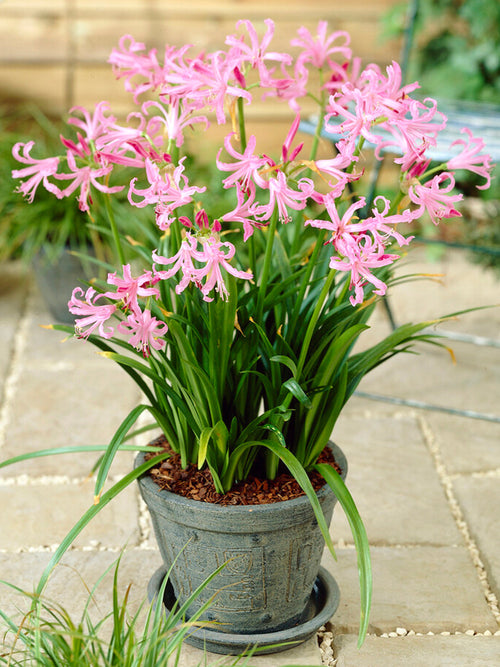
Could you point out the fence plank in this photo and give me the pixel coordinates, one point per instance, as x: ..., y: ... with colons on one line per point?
x: 54, y: 52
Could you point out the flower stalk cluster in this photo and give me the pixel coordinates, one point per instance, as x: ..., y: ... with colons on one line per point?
x: 242, y: 321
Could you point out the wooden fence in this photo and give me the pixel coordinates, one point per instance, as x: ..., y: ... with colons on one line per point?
x: 54, y: 52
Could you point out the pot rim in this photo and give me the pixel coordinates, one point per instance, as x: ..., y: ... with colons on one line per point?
x: 148, y: 485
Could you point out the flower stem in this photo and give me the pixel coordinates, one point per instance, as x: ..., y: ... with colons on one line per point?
x: 321, y: 117
x: 243, y: 144
x: 114, y: 230
x: 266, y: 269
x: 313, y: 321
x: 311, y: 265
x: 241, y: 125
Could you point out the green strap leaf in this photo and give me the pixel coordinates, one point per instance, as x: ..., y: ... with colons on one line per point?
x: 114, y: 445
x: 296, y: 390
x: 287, y: 361
x: 336, y: 483
x: 74, y: 449
x: 106, y: 498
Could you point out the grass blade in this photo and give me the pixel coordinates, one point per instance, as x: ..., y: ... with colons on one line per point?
x: 336, y: 483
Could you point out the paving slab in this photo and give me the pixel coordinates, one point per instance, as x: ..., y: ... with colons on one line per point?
x: 479, y: 499
x: 419, y: 588
x: 457, y: 284
x: 80, y: 570
x: 432, y: 376
x: 13, y: 293
x: 41, y: 513
x: 307, y: 653
x: 77, y: 575
x: 393, y: 481
x: 466, y: 445
x: 425, y: 651
x: 65, y: 404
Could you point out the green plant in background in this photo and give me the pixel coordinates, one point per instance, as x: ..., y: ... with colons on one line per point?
x: 47, y: 636
x: 455, y: 55
x: 457, y: 47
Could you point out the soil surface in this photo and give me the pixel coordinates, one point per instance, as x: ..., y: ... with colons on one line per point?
x: 255, y: 490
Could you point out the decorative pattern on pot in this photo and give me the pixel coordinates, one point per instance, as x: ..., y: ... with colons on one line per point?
x: 272, y: 552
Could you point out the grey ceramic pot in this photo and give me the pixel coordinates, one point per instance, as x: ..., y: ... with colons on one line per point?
x: 272, y: 551
x: 56, y: 279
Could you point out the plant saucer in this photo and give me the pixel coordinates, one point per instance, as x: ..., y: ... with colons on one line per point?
x: 322, y: 605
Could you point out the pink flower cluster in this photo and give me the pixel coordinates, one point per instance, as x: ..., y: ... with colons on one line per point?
x: 144, y: 330
x: 362, y: 105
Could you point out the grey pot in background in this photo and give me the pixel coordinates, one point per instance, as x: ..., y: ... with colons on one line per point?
x: 56, y: 278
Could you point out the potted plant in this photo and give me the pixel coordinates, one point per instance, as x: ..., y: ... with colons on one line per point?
x: 48, y: 235
x: 56, y: 236
x: 242, y: 330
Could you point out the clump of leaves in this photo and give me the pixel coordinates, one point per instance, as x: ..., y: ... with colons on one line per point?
x: 47, y: 635
x: 456, y: 50
x: 48, y: 222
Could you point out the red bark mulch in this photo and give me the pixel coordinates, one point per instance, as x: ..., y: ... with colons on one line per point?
x: 198, y: 485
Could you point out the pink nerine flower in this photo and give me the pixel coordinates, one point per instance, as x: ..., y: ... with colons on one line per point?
x: 181, y: 261
x: 283, y: 197
x: 472, y: 159
x: 93, y: 124
x: 317, y: 49
x: 341, y: 226
x: 84, y: 177
x: 92, y: 316
x: 434, y: 199
x: 245, y: 164
x: 336, y: 168
x: 244, y: 211
x: 128, y: 63
x: 216, y: 259
x: 360, y: 255
x: 145, y: 331
x: 256, y: 53
x: 129, y: 288
x: 175, y: 116
x: 38, y: 172
x: 168, y: 190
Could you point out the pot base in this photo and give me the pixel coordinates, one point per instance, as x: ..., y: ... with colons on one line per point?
x: 322, y: 605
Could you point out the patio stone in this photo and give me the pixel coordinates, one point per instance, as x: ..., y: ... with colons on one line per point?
x: 466, y: 445
x: 479, y: 498
x: 432, y: 377
x: 418, y: 588
x: 307, y: 653
x: 76, y: 575
x: 425, y: 651
x: 13, y: 293
x: 457, y: 283
x: 394, y: 483
x: 40, y: 515
x: 66, y: 405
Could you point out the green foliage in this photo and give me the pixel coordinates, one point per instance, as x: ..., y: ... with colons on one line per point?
x: 456, y: 52
x: 48, y: 636
x: 48, y: 222
x: 456, y: 55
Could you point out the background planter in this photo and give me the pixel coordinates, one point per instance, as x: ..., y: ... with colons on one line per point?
x: 57, y: 277
x: 272, y: 551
